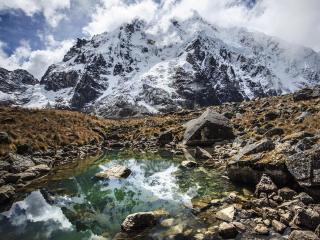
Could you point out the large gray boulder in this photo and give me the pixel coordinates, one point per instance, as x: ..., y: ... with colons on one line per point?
x: 305, y: 167
x: 207, y: 129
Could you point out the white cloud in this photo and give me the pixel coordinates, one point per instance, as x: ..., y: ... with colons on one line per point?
x: 35, y: 61
x: 51, y: 9
x: 109, y: 14
x: 293, y: 20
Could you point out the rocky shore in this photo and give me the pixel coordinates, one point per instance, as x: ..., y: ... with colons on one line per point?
x: 271, y: 146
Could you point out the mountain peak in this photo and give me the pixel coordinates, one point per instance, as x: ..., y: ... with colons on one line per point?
x: 136, y: 69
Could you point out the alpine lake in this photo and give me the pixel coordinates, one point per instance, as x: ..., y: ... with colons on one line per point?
x: 70, y: 204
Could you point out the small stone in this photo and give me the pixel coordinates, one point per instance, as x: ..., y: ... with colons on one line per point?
x: 167, y: 222
x: 274, y: 132
x: 261, y: 229
x: 226, y: 214
x: 241, y: 227
x: 286, y: 193
x: 305, y: 198
x: 278, y: 226
x: 271, y: 116
x: 265, y: 185
x: 202, y: 154
x: 4, y: 138
x: 39, y: 169
x: 266, y: 222
x: 227, y: 230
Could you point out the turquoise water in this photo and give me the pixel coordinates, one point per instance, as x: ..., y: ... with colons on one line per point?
x: 83, y: 208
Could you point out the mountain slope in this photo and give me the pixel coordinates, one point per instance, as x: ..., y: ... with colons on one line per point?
x: 142, y: 68
x: 13, y: 84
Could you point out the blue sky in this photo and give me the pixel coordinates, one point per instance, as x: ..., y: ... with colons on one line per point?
x: 34, y: 34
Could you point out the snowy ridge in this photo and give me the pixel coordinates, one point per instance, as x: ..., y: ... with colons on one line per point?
x: 143, y: 68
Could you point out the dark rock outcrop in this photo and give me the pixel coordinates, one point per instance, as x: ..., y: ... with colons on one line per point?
x: 209, y: 128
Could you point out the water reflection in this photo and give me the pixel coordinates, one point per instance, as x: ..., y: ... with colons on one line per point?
x: 83, y: 207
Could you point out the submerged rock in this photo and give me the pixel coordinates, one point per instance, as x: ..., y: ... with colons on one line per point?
x: 117, y: 171
x: 209, y: 128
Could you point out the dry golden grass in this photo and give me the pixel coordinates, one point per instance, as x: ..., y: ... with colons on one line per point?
x: 44, y: 129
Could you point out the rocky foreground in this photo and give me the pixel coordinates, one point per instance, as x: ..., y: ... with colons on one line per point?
x: 270, y: 145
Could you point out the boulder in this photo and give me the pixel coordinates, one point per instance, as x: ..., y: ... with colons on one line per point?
x: 39, y: 169
x: 307, y: 218
x: 305, y: 167
x: 227, y: 230
x: 137, y: 222
x: 257, y: 147
x: 226, y: 214
x: 6, y: 193
x: 117, y: 171
x: 165, y: 138
x: 265, y: 185
x: 202, y: 154
x: 302, y: 235
x: 209, y: 128
x: 271, y: 116
x: 24, y: 149
x: 4, y: 138
x: 306, y: 94
x: 19, y: 163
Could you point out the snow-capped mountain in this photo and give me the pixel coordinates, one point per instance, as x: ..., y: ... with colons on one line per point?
x: 143, y: 68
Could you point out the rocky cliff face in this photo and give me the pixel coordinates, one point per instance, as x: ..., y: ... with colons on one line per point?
x: 13, y: 84
x: 142, y: 68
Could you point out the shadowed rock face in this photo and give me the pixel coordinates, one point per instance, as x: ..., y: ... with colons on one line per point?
x: 209, y: 128
x: 15, y: 81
